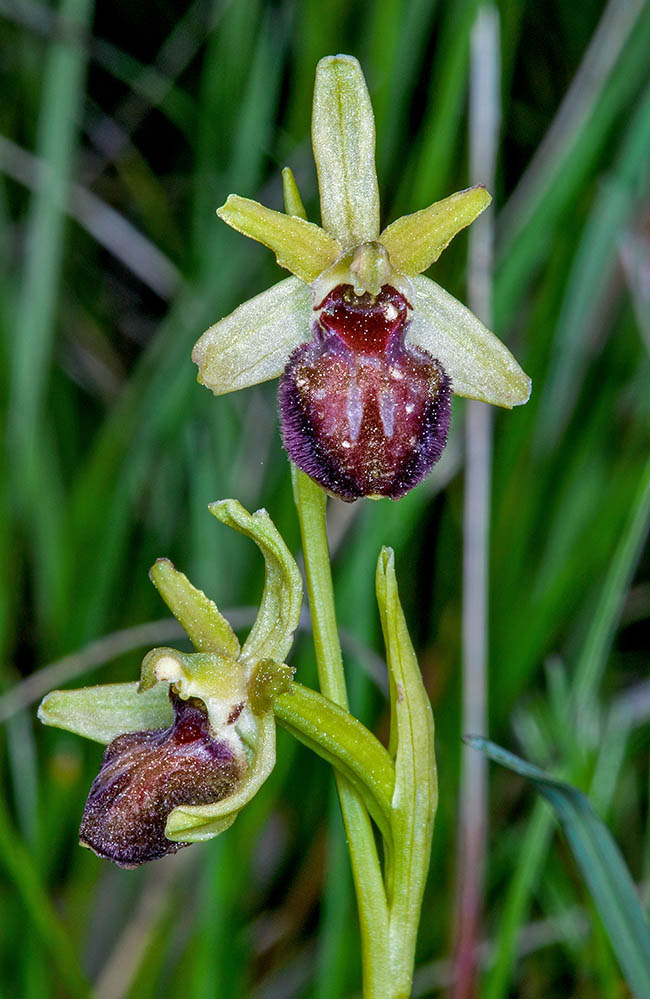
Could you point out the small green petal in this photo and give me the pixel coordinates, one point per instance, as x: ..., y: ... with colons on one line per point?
x: 343, y: 137
x: 271, y: 636
x: 302, y: 247
x: 268, y: 679
x: 255, y: 341
x: 416, y: 241
x: 194, y: 823
x: 293, y: 204
x: 106, y: 711
x: 206, y: 627
x: 479, y: 365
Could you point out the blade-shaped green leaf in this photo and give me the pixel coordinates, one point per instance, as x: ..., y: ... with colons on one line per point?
x: 254, y: 342
x: 343, y: 136
x: 302, y: 247
x: 415, y: 797
x: 414, y: 242
x: 272, y: 634
x: 479, y: 365
x: 206, y: 627
x: 108, y: 710
x: 600, y: 862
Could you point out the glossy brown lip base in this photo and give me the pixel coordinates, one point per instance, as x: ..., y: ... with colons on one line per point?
x: 363, y: 414
x: 144, y: 775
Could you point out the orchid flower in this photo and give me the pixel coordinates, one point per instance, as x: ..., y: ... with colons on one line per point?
x: 192, y: 743
x: 368, y: 350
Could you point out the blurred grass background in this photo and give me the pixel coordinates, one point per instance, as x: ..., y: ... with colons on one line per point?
x: 121, y: 129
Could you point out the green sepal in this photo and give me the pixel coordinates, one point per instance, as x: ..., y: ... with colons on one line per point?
x: 194, y: 823
x: 255, y: 342
x: 271, y: 636
x: 107, y: 710
x: 415, y: 798
x: 414, y: 242
x: 479, y: 365
x: 302, y: 247
x: 343, y: 137
x: 206, y: 627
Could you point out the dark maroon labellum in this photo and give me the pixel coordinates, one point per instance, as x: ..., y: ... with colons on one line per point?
x: 363, y: 413
x: 144, y: 775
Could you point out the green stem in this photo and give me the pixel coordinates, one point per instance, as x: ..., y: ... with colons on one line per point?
x: 366, y: 870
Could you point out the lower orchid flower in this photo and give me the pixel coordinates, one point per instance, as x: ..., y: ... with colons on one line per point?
x: 368, y: 350
x: 193, y: 741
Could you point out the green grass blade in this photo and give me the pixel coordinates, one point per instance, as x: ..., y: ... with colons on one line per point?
x: 33, y: 332
x: 597, y: 255
x: 17, y: 862
x: 533, y: 851
x: 521, y: 254
x: 591, y: 663
x: 62, y: 91
x: 600, y: 863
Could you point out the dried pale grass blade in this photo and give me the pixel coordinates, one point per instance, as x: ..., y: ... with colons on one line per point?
x: 253, y: 343
x: 302, y: 247
x: 414, y: 242
x: 479, y: 365
x: 343, y: 137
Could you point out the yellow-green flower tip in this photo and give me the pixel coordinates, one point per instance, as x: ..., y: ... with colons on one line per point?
x: 343, y: 137
x: 414, y: 242
x: 302, y: 247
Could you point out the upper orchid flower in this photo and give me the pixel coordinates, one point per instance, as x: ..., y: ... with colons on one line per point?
x: 368, y: 349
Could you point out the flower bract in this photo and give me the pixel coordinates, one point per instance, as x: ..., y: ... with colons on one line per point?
x: 193, y: 741
x: 368, y: 349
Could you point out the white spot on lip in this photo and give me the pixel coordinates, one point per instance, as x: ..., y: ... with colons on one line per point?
x: 409, y: 407
x: 396, y: 373
x: 345, y: 444
x: 390, y: 312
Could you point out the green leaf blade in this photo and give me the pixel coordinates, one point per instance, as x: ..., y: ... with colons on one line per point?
x: 600, y: 862
x: 415, y: 798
